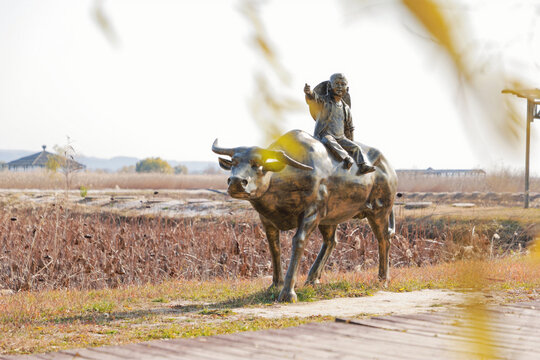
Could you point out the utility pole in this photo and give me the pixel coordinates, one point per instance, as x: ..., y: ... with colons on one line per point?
x: 533, y: 100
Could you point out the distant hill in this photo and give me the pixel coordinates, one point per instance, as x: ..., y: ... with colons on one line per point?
x: 197, y: 167
x: 112, y: 164
x: 116, y: 163
x: 9, y: 155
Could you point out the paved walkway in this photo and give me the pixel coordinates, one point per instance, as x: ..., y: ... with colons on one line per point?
x: 514, y: 333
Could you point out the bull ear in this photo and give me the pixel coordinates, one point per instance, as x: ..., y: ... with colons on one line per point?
x: 225, y: 164
x: 275, y: 166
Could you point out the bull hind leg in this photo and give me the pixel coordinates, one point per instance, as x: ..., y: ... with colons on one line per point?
x: 379, y: 226
x: 329, y: 243
x: 272, y: 235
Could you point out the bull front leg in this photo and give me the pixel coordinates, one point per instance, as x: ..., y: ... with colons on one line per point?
x: 379, y: 226
x: 307, y: 223
x: 272, y: 235
x: 329, y: 243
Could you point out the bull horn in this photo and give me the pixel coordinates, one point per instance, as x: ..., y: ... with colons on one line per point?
x: 284, y: 158
x: 221, y: 151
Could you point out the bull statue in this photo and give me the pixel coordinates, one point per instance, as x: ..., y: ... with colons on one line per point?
x: 297, y: 183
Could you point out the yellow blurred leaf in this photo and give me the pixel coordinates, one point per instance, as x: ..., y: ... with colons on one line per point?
x: 430, y: 16
x: 103, y: 22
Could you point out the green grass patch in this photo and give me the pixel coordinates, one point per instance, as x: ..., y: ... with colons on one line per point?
x: 217, y: 312
x: 103, y: 306
x: 159, y: 300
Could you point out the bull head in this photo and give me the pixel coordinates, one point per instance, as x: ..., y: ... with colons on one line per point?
x: 250, y: 168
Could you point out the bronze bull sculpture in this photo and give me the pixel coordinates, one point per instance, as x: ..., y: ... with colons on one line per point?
x: 296, y: 183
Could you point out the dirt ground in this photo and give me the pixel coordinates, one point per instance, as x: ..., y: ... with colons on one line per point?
x: 381, y: 303
x: 197, y: 203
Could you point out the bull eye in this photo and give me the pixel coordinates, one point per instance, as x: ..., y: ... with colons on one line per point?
x: 244, y: 182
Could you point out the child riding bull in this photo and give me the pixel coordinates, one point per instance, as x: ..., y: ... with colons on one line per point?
x: 334, y: 126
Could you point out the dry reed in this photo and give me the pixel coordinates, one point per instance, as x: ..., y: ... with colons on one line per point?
x: 44, y: 180
x: 51, y: 247
x: 497, y: 181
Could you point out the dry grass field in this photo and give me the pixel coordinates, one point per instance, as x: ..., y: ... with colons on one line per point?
x: 65, y: 245
x: 119, y: 266
x: 498, y: 181
x: 495, y: 181
x: 100, y: 180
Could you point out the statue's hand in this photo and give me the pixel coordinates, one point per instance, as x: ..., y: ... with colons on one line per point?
x: 307, y: 90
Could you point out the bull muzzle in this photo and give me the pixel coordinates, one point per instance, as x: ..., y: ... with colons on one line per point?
x: 237, y: 187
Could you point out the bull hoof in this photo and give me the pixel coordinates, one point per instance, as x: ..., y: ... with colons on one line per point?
x: 312, y: 282
x: 384, y: 282
x: 287, y: 296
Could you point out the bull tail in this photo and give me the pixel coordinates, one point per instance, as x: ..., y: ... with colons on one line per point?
x: 392, y: 224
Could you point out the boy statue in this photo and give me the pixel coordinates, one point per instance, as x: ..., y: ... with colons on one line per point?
x: 333, y: 125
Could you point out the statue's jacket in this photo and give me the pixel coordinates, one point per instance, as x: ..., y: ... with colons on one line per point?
x: 333, y: 118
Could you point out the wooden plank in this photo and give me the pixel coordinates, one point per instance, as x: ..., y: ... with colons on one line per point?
x: 389, y: 343
x: 330, y: 346
x: 201, y: 348
x: 533, y: 305
x: 58, y: 356
x: 182, y: 346
x: 102, y: 353
x: 461, y: 343
x: 509, y: 327
x: 263, y: 349
x: 292, y: 345
x: 451, y: 342
x: 229, y: 348
x: 157, y: 351
x: 294, y: 340
x: 502, y: 337
x: 503, y: 343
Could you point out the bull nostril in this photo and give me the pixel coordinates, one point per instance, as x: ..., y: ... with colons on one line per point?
x: 229, y: 181
x: 244, y: 182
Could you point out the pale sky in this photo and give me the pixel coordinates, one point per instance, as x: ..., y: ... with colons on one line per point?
x: 182, y: 74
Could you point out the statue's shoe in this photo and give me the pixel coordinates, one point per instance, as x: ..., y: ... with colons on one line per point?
x: 347, y: 163
x: 364, y: 169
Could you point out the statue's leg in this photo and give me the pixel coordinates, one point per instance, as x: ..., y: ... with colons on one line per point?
x: 308, y: 222
x: 379, y: 226
x: 335, y: 148
x: 353, y: 149
x: 329, y: 243
x: 272, y: 234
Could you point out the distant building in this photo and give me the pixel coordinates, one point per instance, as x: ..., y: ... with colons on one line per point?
x: 442, y: 172
x: 39, y: 161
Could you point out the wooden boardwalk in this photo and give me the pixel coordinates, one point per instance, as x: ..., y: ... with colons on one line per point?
x: 515, y: 334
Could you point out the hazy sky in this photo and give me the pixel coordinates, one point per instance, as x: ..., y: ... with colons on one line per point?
x: 182, y: 73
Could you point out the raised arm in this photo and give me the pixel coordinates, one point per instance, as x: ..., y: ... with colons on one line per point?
x: 308, y: 92
x: 314, y: 101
